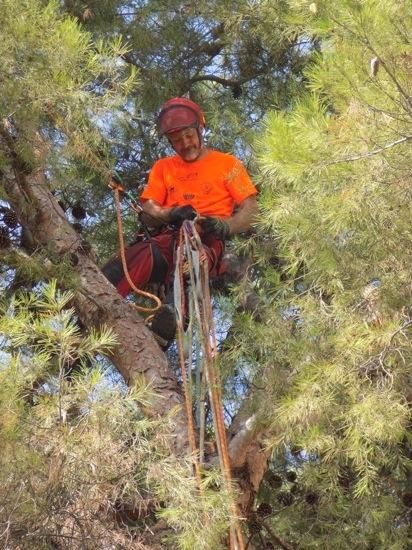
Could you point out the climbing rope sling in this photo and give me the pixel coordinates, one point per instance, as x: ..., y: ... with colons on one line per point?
x: 193, y: 302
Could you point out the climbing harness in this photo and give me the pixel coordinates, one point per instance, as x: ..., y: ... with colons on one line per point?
x: 192, y: 301
x: 117, y: 188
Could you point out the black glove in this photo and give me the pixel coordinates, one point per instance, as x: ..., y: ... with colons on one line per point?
x: 216, y: 227
x: 179, y: 214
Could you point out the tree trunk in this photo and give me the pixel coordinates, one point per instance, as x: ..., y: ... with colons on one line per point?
x: 96, y: 300
x: 248, y: 457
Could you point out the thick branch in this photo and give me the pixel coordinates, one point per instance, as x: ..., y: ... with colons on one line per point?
x: 277, y: 540
x: 230, y: 83
x: 97, y: 301
x: 249, y: 458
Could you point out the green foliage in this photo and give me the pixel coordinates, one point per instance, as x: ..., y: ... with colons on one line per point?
x: 47, y: 325
x: 50, y: 67
x: 201, y: 519
x: 66, y: 88
x: 79, y: 459
x: 335, y: 200
x: 59, y: 84
x: 329, y: 365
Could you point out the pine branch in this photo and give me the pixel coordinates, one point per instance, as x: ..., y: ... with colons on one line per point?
x: 365, y: 40
x: 376, y: 364
x: 391, y: 75
x: 370, y: 153
x: 225, y: 81
x: 275, y: 538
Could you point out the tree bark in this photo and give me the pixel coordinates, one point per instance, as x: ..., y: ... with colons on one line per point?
x: 248, y: 456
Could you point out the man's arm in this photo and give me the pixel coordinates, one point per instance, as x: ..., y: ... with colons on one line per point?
x: 242, y: 220
x: 155, y: 215
x: 244, y: 217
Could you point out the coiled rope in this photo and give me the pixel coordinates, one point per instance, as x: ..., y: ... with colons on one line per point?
x: 191, y: 262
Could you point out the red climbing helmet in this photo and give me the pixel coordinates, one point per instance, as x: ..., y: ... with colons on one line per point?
x: 178, y: 113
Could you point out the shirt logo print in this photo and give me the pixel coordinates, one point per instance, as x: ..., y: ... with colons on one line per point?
x: 188, y: 177
x: 188, y: 196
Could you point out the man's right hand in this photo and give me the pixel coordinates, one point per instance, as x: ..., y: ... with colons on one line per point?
x: 179, y: 214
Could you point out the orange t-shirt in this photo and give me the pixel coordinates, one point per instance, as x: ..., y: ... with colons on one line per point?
x: 213, y: 185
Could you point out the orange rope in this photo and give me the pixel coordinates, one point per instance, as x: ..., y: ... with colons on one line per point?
x: 124, y: 262
x: 237, y: 541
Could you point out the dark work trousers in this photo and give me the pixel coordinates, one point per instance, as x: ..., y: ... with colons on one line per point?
x: 152, y: 261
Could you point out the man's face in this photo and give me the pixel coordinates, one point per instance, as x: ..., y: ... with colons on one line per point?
x: 186, y: 143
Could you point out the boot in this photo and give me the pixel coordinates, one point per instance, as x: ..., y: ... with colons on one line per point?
x: 163, y: 325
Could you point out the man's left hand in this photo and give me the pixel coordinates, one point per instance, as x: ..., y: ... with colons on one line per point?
x: 216, y: 227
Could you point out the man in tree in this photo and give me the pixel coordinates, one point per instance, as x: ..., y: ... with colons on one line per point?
x: 197, y: 183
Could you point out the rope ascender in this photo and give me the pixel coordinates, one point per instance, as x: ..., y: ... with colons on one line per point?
x: 192, y: 300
